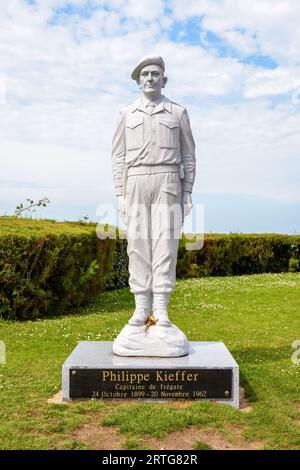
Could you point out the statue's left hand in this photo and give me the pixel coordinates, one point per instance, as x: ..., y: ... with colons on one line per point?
x: 187, y: 203
x: 122, y: 208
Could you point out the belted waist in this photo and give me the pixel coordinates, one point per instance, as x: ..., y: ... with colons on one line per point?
x: 152, y: 169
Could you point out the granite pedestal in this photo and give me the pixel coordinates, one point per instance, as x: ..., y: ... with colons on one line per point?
x: 208, y: 372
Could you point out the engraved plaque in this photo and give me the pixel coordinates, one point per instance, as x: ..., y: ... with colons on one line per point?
x: 161, y: 384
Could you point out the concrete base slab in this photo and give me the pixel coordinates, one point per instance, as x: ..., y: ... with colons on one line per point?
x: 208, y: 372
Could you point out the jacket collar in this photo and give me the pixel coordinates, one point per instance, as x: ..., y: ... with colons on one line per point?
x: 164, y: 103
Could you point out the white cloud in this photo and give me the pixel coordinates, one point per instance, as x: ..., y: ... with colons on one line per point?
x: 62, y: 174
x: 3, y: 89
x: 272, y: 82
x: 243, y: 43
x: 147, y: 9
x: 275, y: 23
x: 248, y: 148
x: 64, y: 83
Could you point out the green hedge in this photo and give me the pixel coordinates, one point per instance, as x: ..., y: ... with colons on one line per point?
x: 48, y: 267
x: 223, y: 255
x: 237, y: 254
x: 118, y: 276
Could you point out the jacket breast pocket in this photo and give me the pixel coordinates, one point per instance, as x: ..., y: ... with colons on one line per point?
x: 134, y: 133
x: 168, y: 131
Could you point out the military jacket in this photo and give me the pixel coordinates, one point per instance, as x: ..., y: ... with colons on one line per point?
x: 153, y: 136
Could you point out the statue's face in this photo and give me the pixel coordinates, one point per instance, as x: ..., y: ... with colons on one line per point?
x: 152, y: 79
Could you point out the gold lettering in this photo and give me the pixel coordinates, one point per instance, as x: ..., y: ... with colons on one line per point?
x: 105, y: 374
x: 140, y: 378
x: 158, y: 376
x: 124, y: 376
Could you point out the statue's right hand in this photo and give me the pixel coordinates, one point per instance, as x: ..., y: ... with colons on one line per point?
x: 122, y: 208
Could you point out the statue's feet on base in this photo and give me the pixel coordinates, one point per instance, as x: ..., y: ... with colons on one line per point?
x: 161, y: 315
x: 151, y: 340
x: 139, y: 317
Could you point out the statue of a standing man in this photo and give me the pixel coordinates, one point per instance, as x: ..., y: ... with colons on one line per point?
x: 153, y: 160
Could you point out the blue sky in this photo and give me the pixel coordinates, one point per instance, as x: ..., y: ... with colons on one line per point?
x: 65, y: 72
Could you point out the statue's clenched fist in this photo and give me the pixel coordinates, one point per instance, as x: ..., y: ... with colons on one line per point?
x: 187, y: 203
x: 122, y: 208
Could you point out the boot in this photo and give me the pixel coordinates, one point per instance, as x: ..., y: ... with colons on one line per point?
x: 160, y: 309
x: 143, y: 308
x: 162, y: 317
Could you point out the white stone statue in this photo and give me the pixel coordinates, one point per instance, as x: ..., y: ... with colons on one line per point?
x: 153, y: 160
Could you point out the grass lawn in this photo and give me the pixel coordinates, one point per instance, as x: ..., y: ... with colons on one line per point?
x: 257, y: 317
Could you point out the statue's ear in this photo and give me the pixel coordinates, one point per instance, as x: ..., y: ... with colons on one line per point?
x: 165, y: 79
x: 138, y: 83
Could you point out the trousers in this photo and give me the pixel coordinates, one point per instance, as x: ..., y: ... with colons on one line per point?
x: 154, y: 221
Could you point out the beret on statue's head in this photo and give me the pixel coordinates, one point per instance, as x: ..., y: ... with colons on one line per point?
x: 147, y: 60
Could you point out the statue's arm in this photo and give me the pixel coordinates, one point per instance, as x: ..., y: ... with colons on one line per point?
x: 118, y: 154
x: 188, y: 157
